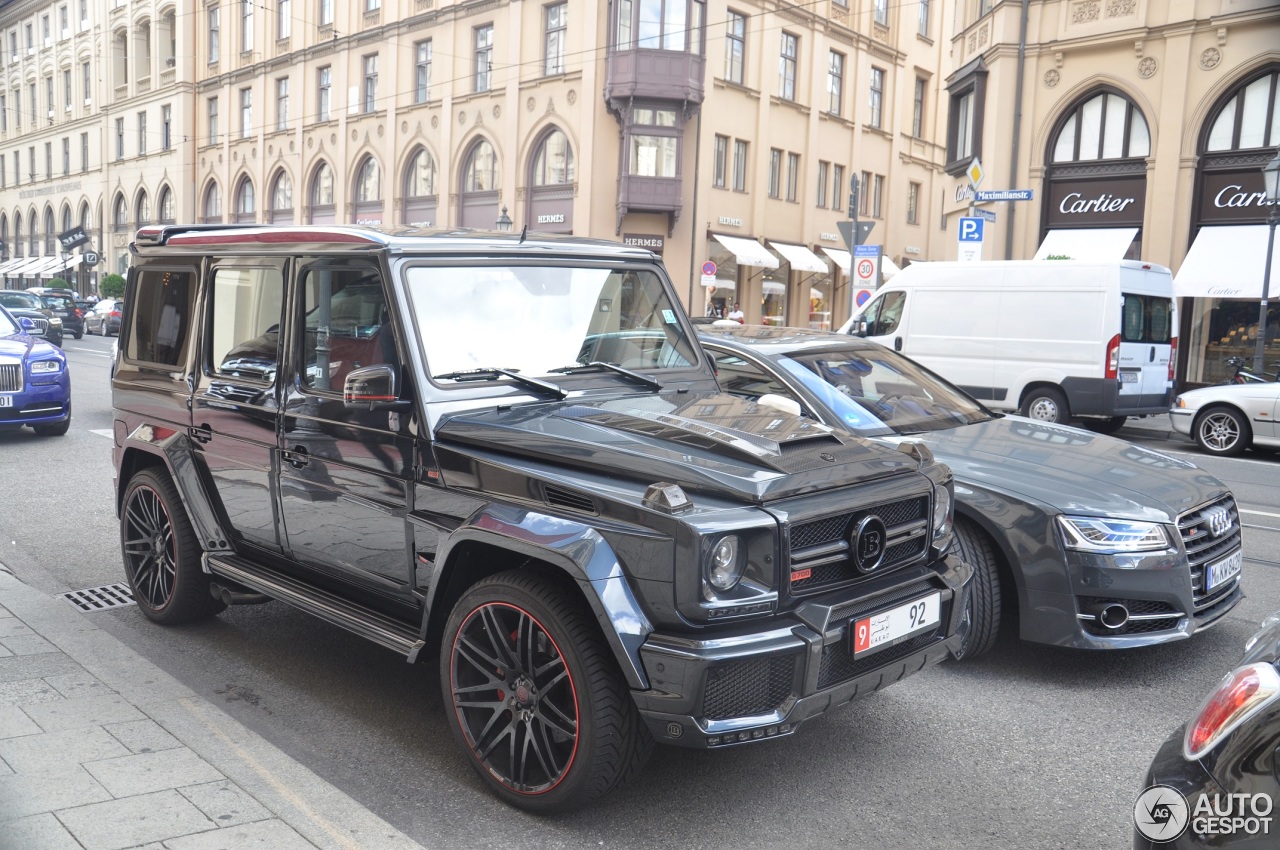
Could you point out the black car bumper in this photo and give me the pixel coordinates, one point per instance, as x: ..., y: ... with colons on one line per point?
x: 749, y: 686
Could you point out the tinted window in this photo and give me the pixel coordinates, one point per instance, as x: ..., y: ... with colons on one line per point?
x: 161, y: 321
x: 244, y: 329
x: 347, y: 324
x: 1146, y: 318
x: 21, y: 301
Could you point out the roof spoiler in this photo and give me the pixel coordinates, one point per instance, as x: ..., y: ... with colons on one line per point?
x: 225, y: 234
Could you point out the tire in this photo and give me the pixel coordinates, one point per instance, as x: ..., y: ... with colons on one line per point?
x: 1222, y: 431
x: 87, y: 330
x: 79, y: 335
x: 59, y: 429
x: 1106, y: 426
x: 981, y: 624
x: 535, y: 696
x: 161, y: 556
x: 1046, y: 404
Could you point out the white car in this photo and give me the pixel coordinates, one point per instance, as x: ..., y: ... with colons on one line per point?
x: 1227, y: 419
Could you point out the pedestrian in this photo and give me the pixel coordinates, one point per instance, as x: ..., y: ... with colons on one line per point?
x: 737, y: 315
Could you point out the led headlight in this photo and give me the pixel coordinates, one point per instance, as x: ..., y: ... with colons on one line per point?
x: 45, y: 367
x: 1095, y: 534
x: 723, y: 568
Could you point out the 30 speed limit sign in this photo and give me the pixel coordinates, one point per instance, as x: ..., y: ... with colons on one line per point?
x: 866, y: 269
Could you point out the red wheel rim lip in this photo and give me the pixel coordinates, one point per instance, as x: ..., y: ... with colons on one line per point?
x: 573, y: 689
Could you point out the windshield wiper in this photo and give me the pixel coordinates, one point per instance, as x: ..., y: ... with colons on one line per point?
x: 492, y: 374
x: 596, y: 365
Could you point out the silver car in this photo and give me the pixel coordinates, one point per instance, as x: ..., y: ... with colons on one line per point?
x: 1085, y: 540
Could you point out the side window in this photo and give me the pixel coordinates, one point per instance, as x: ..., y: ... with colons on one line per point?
x: 1146, y: 318
x: 885, y: 314
x: 1132, y: 320
x: 347, y: 324
x: 160, y: 319
x: 1160, y: 319
x: 245, y: 327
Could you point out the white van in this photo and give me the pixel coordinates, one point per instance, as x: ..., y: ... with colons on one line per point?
x: 1051, y: 339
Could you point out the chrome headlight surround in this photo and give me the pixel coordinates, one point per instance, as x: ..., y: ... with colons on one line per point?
x: 1112, y: 536
x: 736, y: 573
x: 722, y: 566
x: 45, y: 367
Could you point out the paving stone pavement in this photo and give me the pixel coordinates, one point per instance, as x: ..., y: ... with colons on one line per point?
x: 102, y: 750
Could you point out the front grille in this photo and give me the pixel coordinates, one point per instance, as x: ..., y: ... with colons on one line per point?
x: 1137, y: 608
x: 822, y: 545
x: 1204, y: 547
x: 11, y: 378
x: 839, y: 665
x: 41, y: 325
x: 749, y: 687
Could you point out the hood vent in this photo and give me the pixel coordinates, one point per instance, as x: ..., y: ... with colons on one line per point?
x: 559, y: 497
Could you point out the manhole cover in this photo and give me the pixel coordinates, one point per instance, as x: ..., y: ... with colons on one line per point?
x: 100, y: 598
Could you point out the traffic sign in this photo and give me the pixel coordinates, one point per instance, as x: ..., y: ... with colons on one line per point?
x: 862, y: 296
x: 1005, y: 195
x: 971, y: 229
x: 986, y: 215
x: 866, y: 263
x: 975, y: 173
x: 709, y: 269
x: 852, y: 240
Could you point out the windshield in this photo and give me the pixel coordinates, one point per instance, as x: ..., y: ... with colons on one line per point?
x: 7, y: 326
x: 538, y: 319
x: 21, y: 301
x: 876, y: 391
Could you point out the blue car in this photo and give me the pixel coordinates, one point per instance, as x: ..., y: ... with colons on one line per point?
x: 35, y: 388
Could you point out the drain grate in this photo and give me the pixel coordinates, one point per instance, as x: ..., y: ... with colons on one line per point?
x: 100, y: 598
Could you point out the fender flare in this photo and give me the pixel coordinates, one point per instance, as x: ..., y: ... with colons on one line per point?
x: 576, y: 549
x: 173, y: 450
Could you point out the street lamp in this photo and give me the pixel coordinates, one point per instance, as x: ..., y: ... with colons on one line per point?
x: 1271, y: 178
x: 504, y: 221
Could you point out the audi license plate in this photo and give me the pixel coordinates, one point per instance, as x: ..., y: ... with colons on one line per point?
x: 6, y: 401
x: 1225, y: 570
x: 888, y: 627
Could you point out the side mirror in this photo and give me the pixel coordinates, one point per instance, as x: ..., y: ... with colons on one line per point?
x: 26, y: 324
x: 373, y: 388
x: 859, y: 327
x: 780, y: 402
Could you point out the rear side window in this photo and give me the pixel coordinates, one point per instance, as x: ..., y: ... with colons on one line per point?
x: 160, y: 326
x: 1146, y: 318
x: 245, y: 323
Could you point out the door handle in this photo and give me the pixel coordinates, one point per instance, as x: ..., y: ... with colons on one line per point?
x: 201, y: 434
x: 897, y: 343
x: 297, y: 457
x: 1153, y: 354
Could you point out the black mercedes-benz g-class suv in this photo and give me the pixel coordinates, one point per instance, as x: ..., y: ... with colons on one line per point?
x: 509, y: 456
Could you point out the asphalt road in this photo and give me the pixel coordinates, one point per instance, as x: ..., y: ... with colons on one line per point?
x: 1028, y: 747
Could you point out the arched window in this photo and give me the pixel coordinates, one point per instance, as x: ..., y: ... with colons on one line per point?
x: 143, y: 208
x: 246, y: 204
x: 50, y: 235
x: 553, y: 162
x: 66, y: 218
x: 1106, y: 126
x: 120, y: 214
x: 4, y: 235
x: 420, y: 194
x: 19, y: 249
x: 1249, y: 118
x: 85, y: 220
x: 34, y: 228
x: 320, y: 196
x: 166, y: 206
x: 282, y: 199
x: 368, y: 192
x: 212, y: 206
x: 479, y: 196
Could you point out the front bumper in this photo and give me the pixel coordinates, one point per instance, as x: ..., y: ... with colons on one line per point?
x: 1181, y: 419
x: 40, y: 404
x: 748, y: 686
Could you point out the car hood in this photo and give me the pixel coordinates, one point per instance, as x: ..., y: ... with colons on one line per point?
x: 707, y: 443
x: 1073, y: 470
x: 19, y: 345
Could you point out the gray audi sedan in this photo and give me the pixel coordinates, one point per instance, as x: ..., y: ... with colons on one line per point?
x: 1083, y: 540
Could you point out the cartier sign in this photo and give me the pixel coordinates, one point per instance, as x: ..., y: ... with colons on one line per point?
x: 1112, y: 203
x: 1233, y: 197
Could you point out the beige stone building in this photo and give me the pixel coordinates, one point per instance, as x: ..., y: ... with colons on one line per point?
x: 724, y: 134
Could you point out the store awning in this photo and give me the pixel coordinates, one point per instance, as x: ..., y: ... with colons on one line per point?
x: 772, y: 287
x: 1098, y: 244
x: 48, y: 266
x: 748, y: 252
x: 721, y: 283
x: 843, y: 259
x: 1228, y: 262
x: 9, y: 264
x: 27, y: 264
x: 800, y: 257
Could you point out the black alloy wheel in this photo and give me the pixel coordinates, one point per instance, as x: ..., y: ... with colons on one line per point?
x: 537, y: 700
x: 161, y: 556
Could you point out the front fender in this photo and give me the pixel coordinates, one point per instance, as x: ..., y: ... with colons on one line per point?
x: 575, y: 548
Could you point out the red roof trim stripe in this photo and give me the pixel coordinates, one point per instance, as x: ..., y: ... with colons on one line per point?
x: 269, y: 236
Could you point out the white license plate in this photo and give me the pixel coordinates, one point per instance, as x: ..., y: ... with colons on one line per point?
x: 880, y: 630
x: 1128, y: 377
x: 1224, y: 570
x: 6, y: 401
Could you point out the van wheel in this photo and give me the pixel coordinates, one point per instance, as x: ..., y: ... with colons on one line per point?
x: 161, y: 555
x: 1106, y: 426
x: 1222, y: 431
x: 1046, y: 404
x: 535, y: 697
x: 981, y: 619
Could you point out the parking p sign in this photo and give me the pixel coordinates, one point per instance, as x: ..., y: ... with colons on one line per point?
x: 970, y: 239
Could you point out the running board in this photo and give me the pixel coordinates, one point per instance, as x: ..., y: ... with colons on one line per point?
x: 329, y: 607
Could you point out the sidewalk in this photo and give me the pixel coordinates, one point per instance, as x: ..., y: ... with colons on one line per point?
x: 100, y: 749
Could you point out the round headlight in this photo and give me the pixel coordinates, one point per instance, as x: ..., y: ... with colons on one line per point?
x: 724, y: 568
x: 941, y: 511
